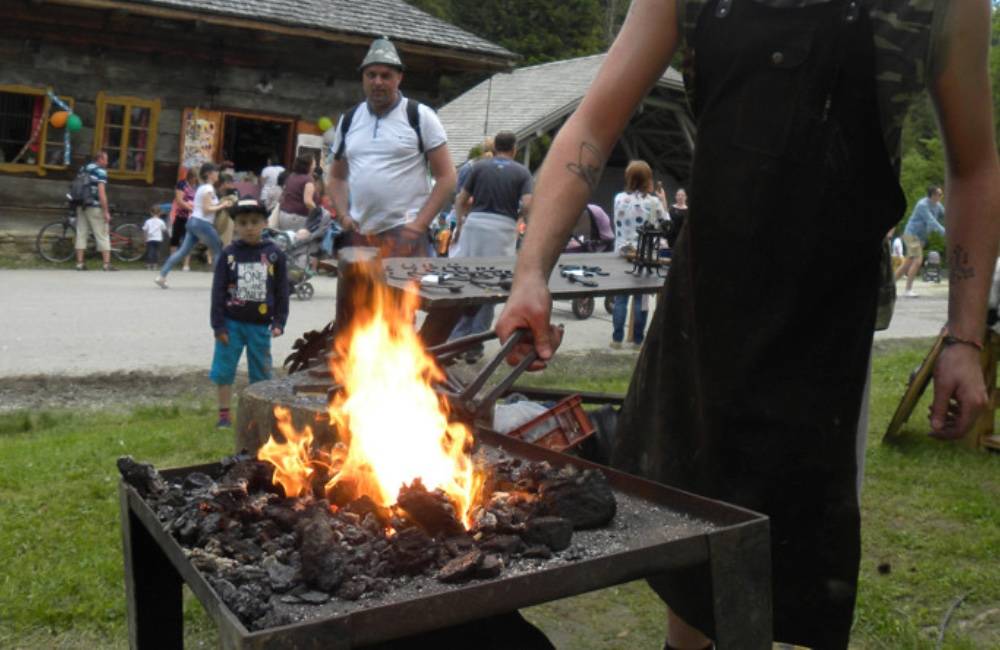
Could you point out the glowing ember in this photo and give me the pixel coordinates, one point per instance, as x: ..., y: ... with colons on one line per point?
x: 393, y: 425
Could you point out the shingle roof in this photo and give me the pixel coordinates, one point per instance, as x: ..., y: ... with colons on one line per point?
x: 523, y: 101
x: 392, y: 18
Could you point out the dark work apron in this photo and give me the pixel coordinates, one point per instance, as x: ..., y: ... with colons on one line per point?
x: 749, y: 386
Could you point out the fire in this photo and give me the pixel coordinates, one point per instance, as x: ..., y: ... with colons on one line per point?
x: 292, y: 467
x: 393, y: 426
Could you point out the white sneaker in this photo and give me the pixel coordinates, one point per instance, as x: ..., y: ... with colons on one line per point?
x: 161, y: 282
x: 911, y: 294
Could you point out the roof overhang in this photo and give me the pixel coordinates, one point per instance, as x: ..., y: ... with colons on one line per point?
x: 455, y: 58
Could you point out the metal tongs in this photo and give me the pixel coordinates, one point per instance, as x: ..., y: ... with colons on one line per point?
x: 464, y: 399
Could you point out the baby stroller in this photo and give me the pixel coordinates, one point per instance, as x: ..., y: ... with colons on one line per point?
x: 932, y: 267
x: 592, y: 234
x: 297, y: 255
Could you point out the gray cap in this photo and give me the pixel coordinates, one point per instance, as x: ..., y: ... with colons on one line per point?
x: 383, y: 52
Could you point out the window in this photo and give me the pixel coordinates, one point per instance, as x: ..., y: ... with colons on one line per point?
x: 126, y: 129
x: 27, y: 141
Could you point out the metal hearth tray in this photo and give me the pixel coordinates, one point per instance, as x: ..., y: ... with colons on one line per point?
x: 656, y: 528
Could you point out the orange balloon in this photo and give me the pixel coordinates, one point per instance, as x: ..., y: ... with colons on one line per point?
x: 58, y: 119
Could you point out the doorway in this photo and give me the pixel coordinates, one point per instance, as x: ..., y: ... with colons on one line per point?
x: 249, y: 141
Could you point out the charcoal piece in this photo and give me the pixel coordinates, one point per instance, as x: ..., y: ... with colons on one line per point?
x: 185, y: 527
x: 459, y: 545
x: 243, y: 574
x: 412, y: 551
x: 554, y: 532
x: 281, y: 576
x: 322, y: 564
x: 207, y: 562
x: 364, y: 506
x: 282, y: 515
x: 313, y: 597
x: 197, y: 481
x: 490, y: 567
x: 290, y: 599
x: 353, y: 589
x: 432, y: 511
x: 246, y: 602
x: 504, y: 544
x: 539, y: 551
x: 485, y: 521
x: 273, y: 618
x: 265, y: 530
x: 208, y: 526
x: 462, y: 568
x: 142, y: 476
x: 354, y: 535
x: 230, y: 497
x: 584, y: 498
x: 244, y: 550
x: 175, y: 497
x: 374, y: 526
x: 257, y: 474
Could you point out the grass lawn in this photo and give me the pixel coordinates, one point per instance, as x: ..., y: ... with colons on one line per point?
x: 931, y: 517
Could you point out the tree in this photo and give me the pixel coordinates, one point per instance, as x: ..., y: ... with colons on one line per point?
x: 538, y: 30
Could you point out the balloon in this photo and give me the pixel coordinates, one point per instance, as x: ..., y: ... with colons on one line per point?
x: 324, y: 123
x: 73, y: 123
x: 58, y: 119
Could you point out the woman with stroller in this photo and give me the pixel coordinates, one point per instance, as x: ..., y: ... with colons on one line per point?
x: 635, y: 207
x: 298, y: 198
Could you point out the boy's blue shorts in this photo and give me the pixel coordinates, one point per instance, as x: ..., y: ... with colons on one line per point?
x: 256, y: 339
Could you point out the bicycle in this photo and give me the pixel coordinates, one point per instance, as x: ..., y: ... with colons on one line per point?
x: 56, y: 241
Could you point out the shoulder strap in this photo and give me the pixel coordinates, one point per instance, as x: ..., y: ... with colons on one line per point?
x: 345, y: 126
x: 413, y: 116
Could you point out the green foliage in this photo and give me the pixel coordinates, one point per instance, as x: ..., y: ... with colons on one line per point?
x: 538, y: 30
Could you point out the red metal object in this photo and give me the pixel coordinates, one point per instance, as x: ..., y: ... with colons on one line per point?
x: 562, y: 427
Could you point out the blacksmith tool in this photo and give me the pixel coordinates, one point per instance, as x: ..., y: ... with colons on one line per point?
x: 466, y: 402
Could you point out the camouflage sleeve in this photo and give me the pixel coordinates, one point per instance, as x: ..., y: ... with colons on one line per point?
x: 937, y: 48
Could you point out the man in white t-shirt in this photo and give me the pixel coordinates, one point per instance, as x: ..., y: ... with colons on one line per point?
x: 382, y: 150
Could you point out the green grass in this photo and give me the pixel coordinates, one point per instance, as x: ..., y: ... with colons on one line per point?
x: 931, y: 513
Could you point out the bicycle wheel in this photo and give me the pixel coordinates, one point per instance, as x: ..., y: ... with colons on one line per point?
x: 56, y: 241
x: 127, y: 242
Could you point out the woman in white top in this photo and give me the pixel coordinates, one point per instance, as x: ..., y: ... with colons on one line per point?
x: 200, y: 226
x: 635, y: 207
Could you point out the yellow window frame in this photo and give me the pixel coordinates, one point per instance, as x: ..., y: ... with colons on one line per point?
x: 38, y: 167
x: 128, y: 103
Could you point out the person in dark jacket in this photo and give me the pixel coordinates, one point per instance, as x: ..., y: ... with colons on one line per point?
x: 249, y: 303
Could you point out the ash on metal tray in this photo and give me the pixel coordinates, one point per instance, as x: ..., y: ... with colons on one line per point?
x: 256, y: 546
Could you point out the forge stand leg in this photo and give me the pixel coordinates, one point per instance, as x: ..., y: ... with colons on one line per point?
x: 439, y: 323
x: 152, y: 588
x: 740, y: 564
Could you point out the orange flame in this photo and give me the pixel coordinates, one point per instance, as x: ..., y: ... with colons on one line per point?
x: 393, y: 426
x: 290, y: 459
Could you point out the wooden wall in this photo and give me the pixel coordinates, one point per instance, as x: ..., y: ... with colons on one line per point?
x: 81, y: 52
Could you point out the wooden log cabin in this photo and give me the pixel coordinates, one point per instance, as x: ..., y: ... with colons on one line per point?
x: 161, y: 84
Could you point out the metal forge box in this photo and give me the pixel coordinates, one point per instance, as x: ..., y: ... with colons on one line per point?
x: 655, y: 529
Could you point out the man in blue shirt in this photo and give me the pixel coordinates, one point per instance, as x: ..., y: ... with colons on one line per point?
x: 926, y: 218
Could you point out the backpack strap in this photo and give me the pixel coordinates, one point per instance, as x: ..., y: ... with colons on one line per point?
x: 413, y: 117
x: 345, y: 126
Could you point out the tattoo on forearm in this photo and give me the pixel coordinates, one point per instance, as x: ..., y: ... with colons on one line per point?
x: 961, y: 269
x: 588, y: 168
